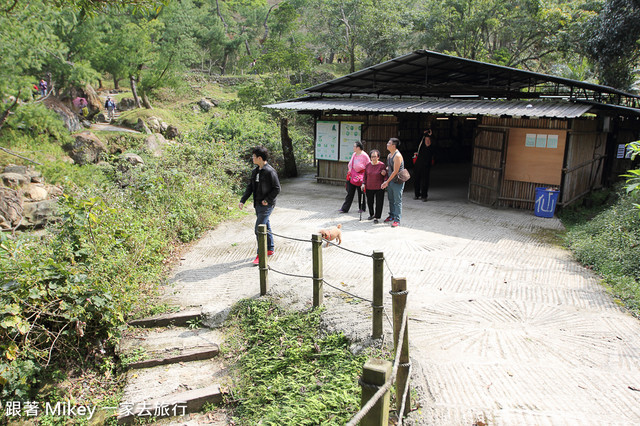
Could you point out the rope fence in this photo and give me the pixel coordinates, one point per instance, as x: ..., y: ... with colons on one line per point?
x: 381, y: 390
x: 378, y: 375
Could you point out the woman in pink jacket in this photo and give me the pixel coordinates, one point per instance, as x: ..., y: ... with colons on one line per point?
x: 355, y: 177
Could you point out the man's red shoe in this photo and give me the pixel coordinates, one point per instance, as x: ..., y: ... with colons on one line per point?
x: 256, y: 260
x: 270, y: 253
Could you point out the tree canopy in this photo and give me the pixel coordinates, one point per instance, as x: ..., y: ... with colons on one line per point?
x: 151, y: 43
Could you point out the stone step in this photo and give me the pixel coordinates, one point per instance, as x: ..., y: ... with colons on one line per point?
x: 176, y: 318
x: 142, y: 344
x: 177, y: 404
x: 164, y: 384
x: 194, y: 354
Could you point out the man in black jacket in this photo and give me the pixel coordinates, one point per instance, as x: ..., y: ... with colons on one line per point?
x: 422, y: 166
x: 265, y: 187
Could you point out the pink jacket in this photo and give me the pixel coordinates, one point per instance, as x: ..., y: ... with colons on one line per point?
x: 358, y: 162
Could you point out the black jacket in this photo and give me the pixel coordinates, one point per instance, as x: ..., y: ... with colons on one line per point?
x: 425, y: 154
x: 264, y: 185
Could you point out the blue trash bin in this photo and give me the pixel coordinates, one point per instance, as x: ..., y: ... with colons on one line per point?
x: 545, y: 202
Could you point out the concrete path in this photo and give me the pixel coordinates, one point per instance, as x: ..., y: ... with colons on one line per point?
x: 504, y: 328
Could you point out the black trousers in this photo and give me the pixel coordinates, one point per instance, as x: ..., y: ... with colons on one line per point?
x: 351, y: 192
x: 376, y: 195
x: 421, y: 180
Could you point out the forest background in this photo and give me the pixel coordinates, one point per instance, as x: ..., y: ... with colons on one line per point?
x: 66, y: 293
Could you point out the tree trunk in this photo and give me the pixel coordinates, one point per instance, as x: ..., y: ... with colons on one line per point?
x: 116, y: 83
x: 134, y: 91
x: 223, y: 66
x: 145, y: 101
x: 290, y: 169
x: 99, y: 83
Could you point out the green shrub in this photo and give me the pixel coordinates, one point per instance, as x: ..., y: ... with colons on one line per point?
x: 610, y: 244
x: 35, y: 119
x: 66, y: 292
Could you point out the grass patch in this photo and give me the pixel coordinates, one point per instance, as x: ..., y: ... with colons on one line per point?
x: 288, y: 372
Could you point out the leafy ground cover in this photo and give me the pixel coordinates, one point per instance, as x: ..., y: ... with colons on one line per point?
x: 606, y: 238
x: 288, y: 372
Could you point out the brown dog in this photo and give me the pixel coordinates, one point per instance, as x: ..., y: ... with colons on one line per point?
x: 334, y: 233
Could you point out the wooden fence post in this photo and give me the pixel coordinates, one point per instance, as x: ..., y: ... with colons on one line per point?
x: 399, y: 300
x: 316, y: 250
x: 262, y: 255
x: 374, y: 374
x: 378, y: 277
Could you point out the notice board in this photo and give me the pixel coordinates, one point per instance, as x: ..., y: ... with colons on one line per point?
x: 327, y: 140
x: 535, y: 155
x: 350, y: 132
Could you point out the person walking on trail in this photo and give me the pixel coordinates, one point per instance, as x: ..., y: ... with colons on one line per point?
x: 265, y: 187
x: 394, y: 186
x: 43, y: 87
x: 374, y: 174
x: 423, y: 159
x: 110, y: 105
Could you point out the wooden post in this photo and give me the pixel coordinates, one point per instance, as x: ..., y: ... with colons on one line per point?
x: 316, y: 250
x: 378, y: 277
x: 262, y: 255
x: 374, y: 374
x: 399, y: 300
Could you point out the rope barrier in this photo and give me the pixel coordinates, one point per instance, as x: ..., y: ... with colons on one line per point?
x: 324, y: 281
x: 374, y: 399
x: 289, y: 275
x: 346, y: 249
x: 404, y: 395
x: 381, y: 390
x: 388, y: 267
x: 344, y: 291
x: 324, y: 240
x: 289, y: 238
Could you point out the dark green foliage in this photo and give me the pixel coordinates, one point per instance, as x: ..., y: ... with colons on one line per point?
x: 610, y: 244
x: 65, y: 294
x: 612, y: 42
x: 290, y: 374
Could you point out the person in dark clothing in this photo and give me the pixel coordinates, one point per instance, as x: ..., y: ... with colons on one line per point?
x: 374, y: 174
x: 265, y: 187
x: 43, y: 87
x: 422, y: 166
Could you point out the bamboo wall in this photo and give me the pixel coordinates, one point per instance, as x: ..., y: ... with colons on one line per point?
x: 508, y: 193
x: 376, y: 131
x: 584, y: 160
x: 486, y: 169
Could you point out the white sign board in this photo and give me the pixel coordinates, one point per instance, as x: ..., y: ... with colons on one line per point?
x: 327, y: 140
x: 350, y: 132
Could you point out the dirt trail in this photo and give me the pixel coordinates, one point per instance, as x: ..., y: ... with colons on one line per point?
x: 504, y: 329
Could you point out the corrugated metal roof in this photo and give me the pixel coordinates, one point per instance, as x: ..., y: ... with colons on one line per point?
x: 551, y: 109
x: 432, y: 74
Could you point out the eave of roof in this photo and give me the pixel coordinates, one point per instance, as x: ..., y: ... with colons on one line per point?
x: 427, y: 73
x: 519, y: 108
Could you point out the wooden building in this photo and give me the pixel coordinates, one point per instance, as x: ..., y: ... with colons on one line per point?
x: 516, y: 130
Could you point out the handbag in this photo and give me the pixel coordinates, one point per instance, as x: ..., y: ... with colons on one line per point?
x: 403, y: 175
x: 356, y: 179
